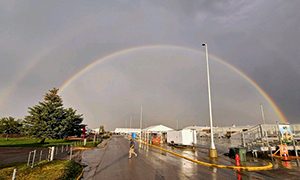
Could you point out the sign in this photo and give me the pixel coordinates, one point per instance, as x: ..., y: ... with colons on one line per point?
x: 83, y: 132
x: 286, y: 133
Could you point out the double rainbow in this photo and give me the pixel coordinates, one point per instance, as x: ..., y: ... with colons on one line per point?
x: 110, y: 57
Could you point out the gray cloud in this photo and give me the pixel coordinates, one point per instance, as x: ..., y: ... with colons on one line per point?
x: 260, y: 38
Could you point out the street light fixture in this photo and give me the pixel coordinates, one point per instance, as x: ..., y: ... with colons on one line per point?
x: 212, y: 151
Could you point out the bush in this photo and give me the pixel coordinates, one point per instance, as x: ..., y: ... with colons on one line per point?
x: 106, y: 136
x: 73, y: 170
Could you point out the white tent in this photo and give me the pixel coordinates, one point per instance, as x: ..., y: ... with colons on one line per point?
x: 157, y: 129
x: 127, y: 130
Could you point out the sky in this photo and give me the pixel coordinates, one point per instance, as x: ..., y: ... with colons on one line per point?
x: 45, y: 43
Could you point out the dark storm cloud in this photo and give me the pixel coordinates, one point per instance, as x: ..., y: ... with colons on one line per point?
x: 52, y: 40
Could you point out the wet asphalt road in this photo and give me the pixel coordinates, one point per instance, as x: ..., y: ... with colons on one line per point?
x: 111, y: 162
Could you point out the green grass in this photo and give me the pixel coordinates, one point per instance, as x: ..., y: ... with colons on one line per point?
x: 31, y: 142
x: 91, y: 144
x: 58, y: 169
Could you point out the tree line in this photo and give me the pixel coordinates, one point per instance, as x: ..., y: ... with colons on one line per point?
x: 47, y: 119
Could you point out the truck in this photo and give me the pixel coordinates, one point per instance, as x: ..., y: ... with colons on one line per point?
x: 184, y: 137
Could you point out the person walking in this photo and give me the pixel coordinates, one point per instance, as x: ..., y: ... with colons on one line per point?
x: 131, y: 149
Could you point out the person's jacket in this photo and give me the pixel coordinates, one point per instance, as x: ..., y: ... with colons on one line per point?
x: 131, y: 144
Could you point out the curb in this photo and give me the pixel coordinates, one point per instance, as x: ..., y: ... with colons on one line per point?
x: 80, y: 175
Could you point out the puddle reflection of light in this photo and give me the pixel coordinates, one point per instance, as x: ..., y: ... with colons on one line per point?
x: 187, y: 167
x: 214, y: 173
x: 287, y: 164
x: 290, y: 164
x: 196, y: 153
x: 238, y: 175
x: 145, y: 149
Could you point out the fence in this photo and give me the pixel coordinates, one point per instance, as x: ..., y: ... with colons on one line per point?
x: 264, y: 135
x: 33, y: 156
x: 54, y: 152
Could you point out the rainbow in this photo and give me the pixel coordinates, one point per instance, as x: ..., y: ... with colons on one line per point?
x: 55, y: 43
x: 277, y: 110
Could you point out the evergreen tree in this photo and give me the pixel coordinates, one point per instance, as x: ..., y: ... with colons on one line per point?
x: 8, y: 125
x: 71, y: 123
x: 49, y: 119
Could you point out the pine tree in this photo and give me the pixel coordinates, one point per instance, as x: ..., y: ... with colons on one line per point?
x: 49, y: 119
x: 71, y: 123
x: 8, y: 125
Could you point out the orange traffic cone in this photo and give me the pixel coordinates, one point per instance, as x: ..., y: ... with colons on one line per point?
x: 285, y: 157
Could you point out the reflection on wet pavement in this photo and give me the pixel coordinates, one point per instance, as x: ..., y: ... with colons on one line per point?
x: 112, y: 162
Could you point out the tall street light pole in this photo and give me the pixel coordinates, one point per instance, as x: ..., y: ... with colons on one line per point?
x: 212, y: 151
x: 262, y: 113
x: 141, y: 124
x: 141, y: 118
x: 130, y: 121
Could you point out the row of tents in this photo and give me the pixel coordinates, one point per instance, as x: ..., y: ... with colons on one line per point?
x: 161, y: 134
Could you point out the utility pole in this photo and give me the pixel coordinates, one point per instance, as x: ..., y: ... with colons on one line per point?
x: 141, y: 118
x: 130, y: 121
x: 262, y: 113
x: 213, y: 151
x: 141, y: 126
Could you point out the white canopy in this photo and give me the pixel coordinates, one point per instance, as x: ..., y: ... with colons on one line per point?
x: 127, y: 130
x: 157, y: 128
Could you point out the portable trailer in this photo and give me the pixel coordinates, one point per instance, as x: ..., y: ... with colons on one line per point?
x: 185, y: 137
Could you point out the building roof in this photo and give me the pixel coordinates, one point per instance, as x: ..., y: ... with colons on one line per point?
x: 157, y: 128
x: 127, y: 130
x: 201, y: 128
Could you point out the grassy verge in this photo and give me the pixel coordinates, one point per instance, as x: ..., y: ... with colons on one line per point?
x: 58, y: 169
x: 91, y: 144
x: 32, y: 142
